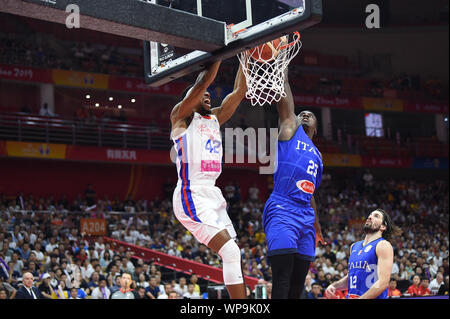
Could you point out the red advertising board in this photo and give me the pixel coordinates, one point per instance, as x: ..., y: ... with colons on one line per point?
x: 111, y: 154
x: 137, y: 85
x: 328, y: 101
x: 426, y: 107
x: 386, y: 162
x: 28, y: 74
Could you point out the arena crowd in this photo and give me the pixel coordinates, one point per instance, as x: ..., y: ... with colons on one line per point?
x: 42, y: 236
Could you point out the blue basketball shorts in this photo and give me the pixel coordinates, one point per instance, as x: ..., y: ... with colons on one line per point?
x: 289, y: 228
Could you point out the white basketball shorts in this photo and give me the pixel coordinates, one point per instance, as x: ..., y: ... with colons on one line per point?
x: 202, y: 209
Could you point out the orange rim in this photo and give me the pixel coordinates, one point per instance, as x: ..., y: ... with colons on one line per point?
x: 283, y: 47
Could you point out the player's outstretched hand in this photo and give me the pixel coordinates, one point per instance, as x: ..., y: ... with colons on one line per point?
x: 319, y: 237
x: 330, y: 293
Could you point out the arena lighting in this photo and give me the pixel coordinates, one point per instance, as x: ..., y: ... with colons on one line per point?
x: 133, y: 100
x: 88, y: 96
x: 97, y: 104
x: 111, y: 98
x: 120, y: 106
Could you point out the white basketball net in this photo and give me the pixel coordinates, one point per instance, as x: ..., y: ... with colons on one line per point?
x: 265, y: 77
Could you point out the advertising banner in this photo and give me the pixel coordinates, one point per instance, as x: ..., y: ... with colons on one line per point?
x: 111, y: 154
x: 377, y: 104
x: 386, y: 162
x: 426, y: 107
x: 36, y: 150
x: 328, y: 101
x: 433, y: 163
x: 80, y: 79
x: 28, y: 74
x: 120, y: 83
x: 342, y: 160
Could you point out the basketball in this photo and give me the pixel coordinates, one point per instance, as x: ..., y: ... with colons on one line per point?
x: 266, y: 52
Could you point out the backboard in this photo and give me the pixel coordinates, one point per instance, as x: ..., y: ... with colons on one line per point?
x: 246, y: 23
x: 207, y: 30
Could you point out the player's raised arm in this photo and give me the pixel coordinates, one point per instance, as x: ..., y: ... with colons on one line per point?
x: 232, y: 100
x: 185, y: 108
x: 286, y: 111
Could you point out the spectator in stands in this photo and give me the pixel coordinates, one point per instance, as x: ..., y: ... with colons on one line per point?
x: 142, y: 281
x: 38, y: 252
x: 191, y: 294
x: 368, y: 178
x: 194, y: 280
x: 94, y: 280
x: 115, y: 284
x: 61, y: 291
x: 17, y: 264
x: 173, y: 295
x: 432, y: 267
x: 321, y: 279
x: 181, y: 286
x: 316, y: 292
x: 253, y: 192
x: 230, y: 190
x: 90, y: 195
x: 423, y: 289
x: 392, y: 290
x: 3, y: 294
x: 152, y: 291
x: 443, y: 290
x: 102, y: 291
x: 168, y: 288
x: 414, y: 288
x: 105, y: 258
x: 10, y: 291
x: 141, y: 292
x: 45, y: 287
x: 414, y: 206
x: 126, y: 265
x: 73, y: 293
x: 27, y: 290
x: 45, y: 111
x: 436, y: 283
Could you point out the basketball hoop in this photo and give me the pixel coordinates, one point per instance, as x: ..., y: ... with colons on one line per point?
x: 264, y: 68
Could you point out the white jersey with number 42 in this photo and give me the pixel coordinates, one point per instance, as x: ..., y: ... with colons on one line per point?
x: 199, y: 150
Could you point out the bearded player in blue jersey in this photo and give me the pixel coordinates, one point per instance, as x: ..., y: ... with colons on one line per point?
x: 370, y: 262
x: 290, y: 219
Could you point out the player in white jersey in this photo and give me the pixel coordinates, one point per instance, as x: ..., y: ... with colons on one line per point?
x: 197, y: 203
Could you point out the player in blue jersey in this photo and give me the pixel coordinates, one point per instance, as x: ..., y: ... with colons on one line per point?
x: 370, y: 262
x: 290, y: 219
